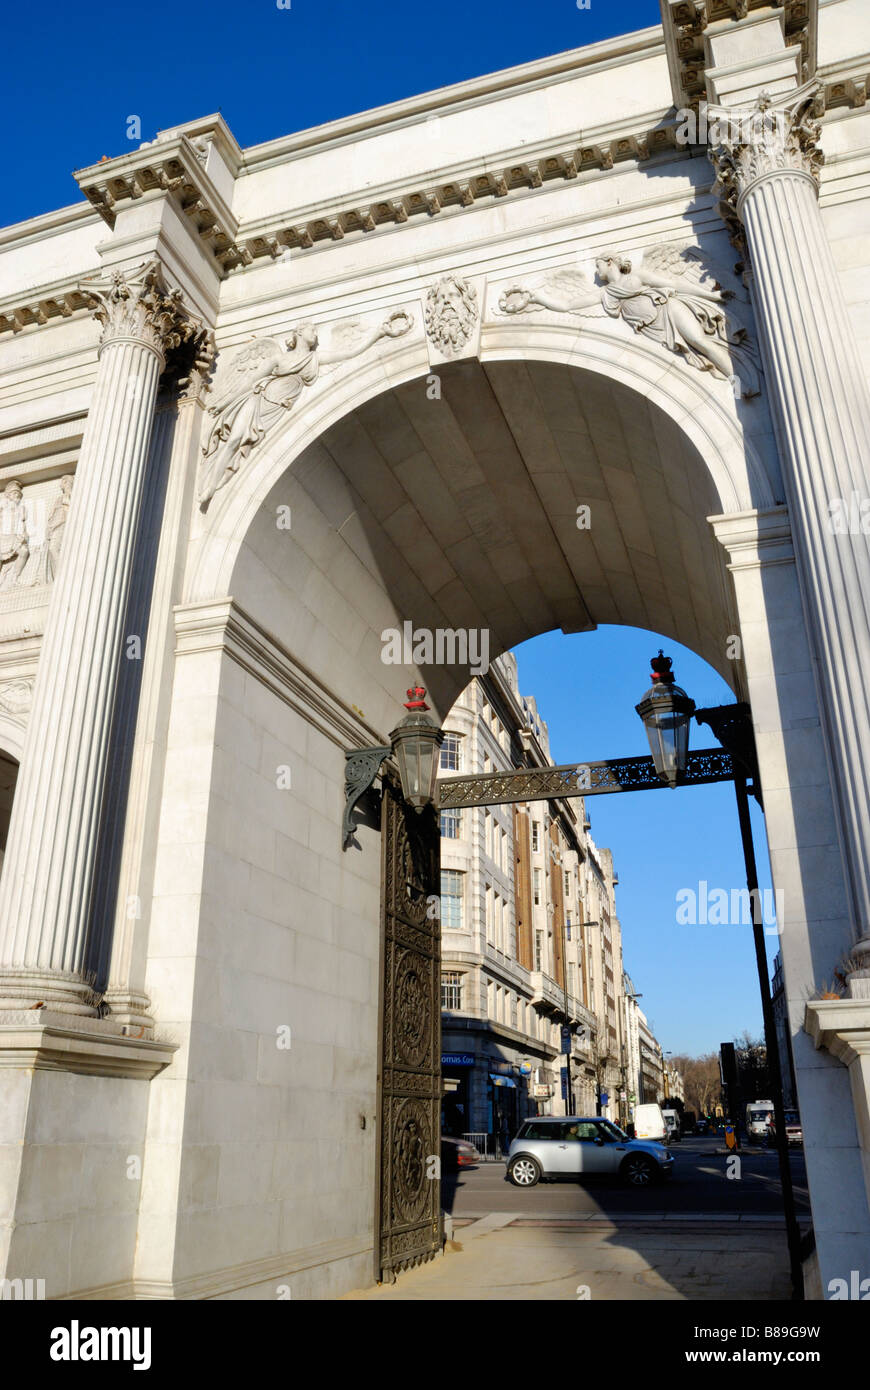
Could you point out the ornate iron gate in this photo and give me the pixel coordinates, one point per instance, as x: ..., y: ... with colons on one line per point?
x: 408, y: 1203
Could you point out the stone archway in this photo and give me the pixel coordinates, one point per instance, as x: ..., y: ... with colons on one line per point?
x: 454, y: 513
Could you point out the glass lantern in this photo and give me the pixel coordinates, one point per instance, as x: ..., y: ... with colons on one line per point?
x: 666, y: 711
x: 416, y: 742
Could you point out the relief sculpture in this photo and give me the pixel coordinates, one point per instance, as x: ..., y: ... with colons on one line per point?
x: 670, y: 299
x: 30, y: 545
x: 265, y: 380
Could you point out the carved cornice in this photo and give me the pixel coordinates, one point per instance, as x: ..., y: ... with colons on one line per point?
x: 458, y: 189
x: 175, y: 166
x: 136, y: 304
x: 172, y: 165
x: 687, y: 21
x: 749, y: 144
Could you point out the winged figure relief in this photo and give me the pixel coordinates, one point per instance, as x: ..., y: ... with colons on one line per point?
x: 265, y: 379
x: 671, y: 298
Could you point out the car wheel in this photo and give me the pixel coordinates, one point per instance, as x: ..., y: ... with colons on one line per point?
x: 524, y: 1171
x: 638, y: 1170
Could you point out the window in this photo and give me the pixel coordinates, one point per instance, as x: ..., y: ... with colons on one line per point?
x: 539, y: 950
x: 536, y: 836
x: 488, y: 923
x: 567, y: 883
x: 451, y: 899
x: 451, y: 823
x: 451, y: 990
x: 568, y: 928
x: 450, y: 753
x: 537, y: 879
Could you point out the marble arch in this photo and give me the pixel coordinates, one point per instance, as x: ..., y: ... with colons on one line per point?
x: 744, y: 472
x: 556, y: 264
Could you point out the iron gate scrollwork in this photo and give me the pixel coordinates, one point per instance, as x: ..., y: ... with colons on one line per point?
x: 408, y: 1207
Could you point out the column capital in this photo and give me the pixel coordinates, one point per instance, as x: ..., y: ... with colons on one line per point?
x: 136, y: 306
x: 746, y: 144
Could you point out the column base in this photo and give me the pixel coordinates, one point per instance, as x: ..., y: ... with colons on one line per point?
x: 130, y: 1012
x: 29, y: 987
x: 842, y: 1027
x: 46, y: 1040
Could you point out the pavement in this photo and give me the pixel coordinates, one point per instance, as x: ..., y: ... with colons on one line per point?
x: 702, y: 1235
x: 703, y: 1180
x: 507, y: 1256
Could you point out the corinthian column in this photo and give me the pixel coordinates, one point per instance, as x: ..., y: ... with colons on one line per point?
x: 48, y: 873
x: 767, y: 162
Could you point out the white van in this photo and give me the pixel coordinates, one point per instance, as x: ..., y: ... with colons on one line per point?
x: 672, y: 1123
x: 649, y: 1123
x: 759, y: 1113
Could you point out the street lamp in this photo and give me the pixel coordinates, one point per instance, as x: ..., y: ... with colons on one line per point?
x: 666, y: 711
x: 415, y: 742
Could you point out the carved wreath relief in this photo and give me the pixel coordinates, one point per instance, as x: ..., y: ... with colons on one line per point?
x: 670, y: 298
x: 16, y: 695
x: 450, y: 314
x: 265, y: 380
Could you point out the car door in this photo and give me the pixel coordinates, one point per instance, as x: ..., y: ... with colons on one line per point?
x: 563, y: 1152
x: 593, y: 1148
x: 611, y: 1151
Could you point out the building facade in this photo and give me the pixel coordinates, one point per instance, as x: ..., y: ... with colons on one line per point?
x: 783, y: 1035
x: 514, y: 929
x: 262, y: 408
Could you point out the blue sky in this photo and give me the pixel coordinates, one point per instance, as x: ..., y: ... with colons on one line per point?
x: 75, y: 76
x: 699, y: 983
x: 76, y: 73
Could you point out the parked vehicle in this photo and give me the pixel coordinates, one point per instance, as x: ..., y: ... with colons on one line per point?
x: 759, y: 1114
x: 672, y: 1126
x: 649, y: 1123
x: 577, y: 1147
x: 793, y: 1129
x: 456, y: 1154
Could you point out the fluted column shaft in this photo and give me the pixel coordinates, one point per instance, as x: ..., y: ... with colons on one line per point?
x: 47, y: 881
x: 821, y: 400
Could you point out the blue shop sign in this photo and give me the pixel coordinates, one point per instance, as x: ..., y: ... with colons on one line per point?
x: 457, y: 1059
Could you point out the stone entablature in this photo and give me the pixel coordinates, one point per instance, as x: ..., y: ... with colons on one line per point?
x: 202, y: 169
x: 690, y: 25
x: 231, y: 679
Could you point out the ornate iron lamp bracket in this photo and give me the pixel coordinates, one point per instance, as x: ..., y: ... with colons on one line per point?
x: 732, y: 726
x: 362, y: 766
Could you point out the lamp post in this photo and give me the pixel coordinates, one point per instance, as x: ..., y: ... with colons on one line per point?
x: 666, y: 711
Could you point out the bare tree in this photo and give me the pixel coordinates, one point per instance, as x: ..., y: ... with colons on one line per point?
x: 701, y: 1081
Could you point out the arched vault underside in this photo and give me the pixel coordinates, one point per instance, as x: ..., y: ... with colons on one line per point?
x: 462, y: 513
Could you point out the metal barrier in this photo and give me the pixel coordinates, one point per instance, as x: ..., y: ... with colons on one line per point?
x: 487, y: 1145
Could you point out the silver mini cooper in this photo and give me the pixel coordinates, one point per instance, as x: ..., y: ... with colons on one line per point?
x: 567, y: 1147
